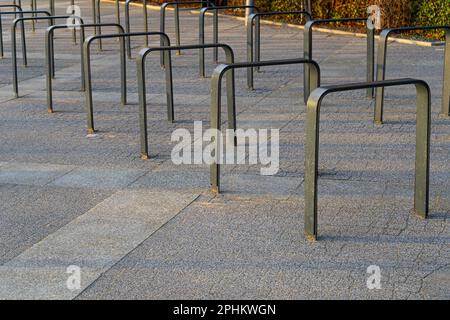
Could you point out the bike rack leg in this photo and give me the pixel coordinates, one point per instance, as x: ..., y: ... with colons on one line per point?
x: 216, y: 97
x: 14, y: 60
x: 33, y: 8
x: 142, y: 107
x: 48, y: 70
x: 74, y: 31
x: 99, y: 20
x: 216, y: 36
x: 177, y: 28
x: 250, y: 75
x: 145, y: 21
x: 162, y: 28
x: 446, y: 84
x: 307, y: 54
x: 123, y: 71
x: 51, y: 5
x: 381, y: 73
x: 117, y: 11
x: 169, y: 86
x: 423, y: 134
x: 88, y: 91
x: 257, y: 41
x: 370, y: 60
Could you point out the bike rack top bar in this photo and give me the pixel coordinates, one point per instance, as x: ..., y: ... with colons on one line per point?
x: 421, y: 198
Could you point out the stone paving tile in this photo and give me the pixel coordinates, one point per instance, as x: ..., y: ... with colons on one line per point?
x: 31, y: 173
x: 94, y: 242
x: 247, y: 242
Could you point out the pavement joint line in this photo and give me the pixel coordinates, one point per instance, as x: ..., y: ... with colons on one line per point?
x: 36, y: 273
x: 137, y: 246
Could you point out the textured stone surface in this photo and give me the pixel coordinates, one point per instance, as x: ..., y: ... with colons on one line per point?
x: 150, y: 229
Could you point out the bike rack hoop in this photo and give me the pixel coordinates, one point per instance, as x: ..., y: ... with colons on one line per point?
x: 254, y: 42
x: 216, y: 100
x: 421, y: 197
x: 87, y: 68
x: 231, y: 101
x: 201, y: 29
x: 381, y: 68
x: 50, y: 19
x: 308, y: 48
x: 50, y: 54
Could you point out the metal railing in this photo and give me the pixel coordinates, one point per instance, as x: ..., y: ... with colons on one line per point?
x: 216, y: 97
x: 215, y: 27
x: 421, y: 198
x: 87, y: 69
x: 231, y: 101
x: 381, y: 69
x: 308, y: 48
x: 254, y: 38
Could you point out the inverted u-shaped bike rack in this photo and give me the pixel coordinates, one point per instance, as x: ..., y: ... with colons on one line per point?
x: 231, y: 101
x: 87, y: 68
x: 50, y: 18
x: 22, y: 27
x: 50, y: 55
x: 51, y: 9
x: 201, y: 31
x: 162, y: 19
x: 254, y: 37
x: 128, y: 27
x: 216, y: 101
x: 381, y: 69
x: 421, y: 198
x: 97, y: 17
x: 308, y: 49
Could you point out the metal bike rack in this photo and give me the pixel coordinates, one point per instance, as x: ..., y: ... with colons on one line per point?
x: 381, y: 69
x: 22, y: 27
x: 162, y: 19
x: 169, y: 86
x: 254, y: 42
x: 50, y: 56
x: 87, y: 68
x: 421, y: 198
x: 14, y: 46
x: 308, y: 48
x: 216, y: 101
x: 51, y: 9
x: 202, y: 16
x: 128, y: 27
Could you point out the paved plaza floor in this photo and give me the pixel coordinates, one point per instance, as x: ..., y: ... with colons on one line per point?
x: 152, y: 230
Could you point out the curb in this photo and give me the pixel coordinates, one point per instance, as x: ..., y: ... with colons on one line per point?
x: 295, y: 26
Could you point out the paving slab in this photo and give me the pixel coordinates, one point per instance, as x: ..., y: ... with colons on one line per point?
x: 94, y: 242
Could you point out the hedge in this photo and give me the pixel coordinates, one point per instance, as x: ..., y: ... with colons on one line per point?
x: 395, y: 13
